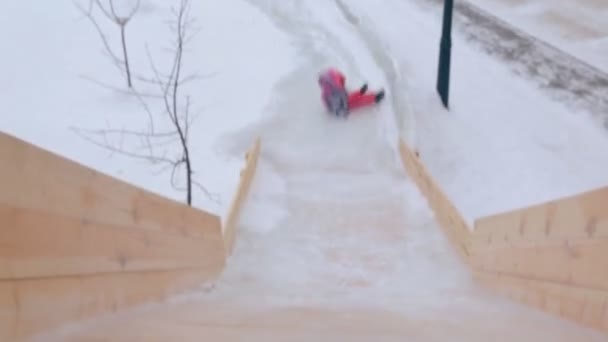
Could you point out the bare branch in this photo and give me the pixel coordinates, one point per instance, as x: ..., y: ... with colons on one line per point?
x: 114, y: 15
x: 164, y: 78
x: 145, y: 144
x: 134, y: 10
x: 89, y: 14
x: 186, y: 120
x: 122, y: 23
x: 123, y: 132
x: 120, y: 90
x: 105, y: 11
x: 174, y: 172
x: 163, y: 169
x: 212, y: 196
x: 177, y: 69
x: 147, y: 109
x: 119, y: 150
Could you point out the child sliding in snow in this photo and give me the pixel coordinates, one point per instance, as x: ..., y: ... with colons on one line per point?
x: 336, y: 97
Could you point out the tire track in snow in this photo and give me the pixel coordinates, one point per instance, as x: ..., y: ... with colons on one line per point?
x: 311, y: 37
x: 404, y: 114
x: 324, y: 41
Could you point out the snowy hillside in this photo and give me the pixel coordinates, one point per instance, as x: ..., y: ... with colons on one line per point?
x: 503, y: 144
x: 57, y: 77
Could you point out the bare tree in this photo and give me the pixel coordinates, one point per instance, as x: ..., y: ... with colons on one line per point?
x: 176, y: 110
x: 171, y: 88
x: 121, y: 22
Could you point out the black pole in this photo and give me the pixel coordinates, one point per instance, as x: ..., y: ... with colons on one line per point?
x: 443, y: 74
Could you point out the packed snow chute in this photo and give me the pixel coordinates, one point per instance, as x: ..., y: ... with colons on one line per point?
x: 340, y: 101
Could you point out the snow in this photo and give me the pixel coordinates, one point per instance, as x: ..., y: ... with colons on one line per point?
x: 503, y: 144
x: 577, y: 27
x: 47, y: 91
x: 265, y: 210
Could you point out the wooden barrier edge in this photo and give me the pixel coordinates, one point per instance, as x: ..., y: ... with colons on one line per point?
x: 246, y: 177
x: 588, y: 307
x: 450, y: 219
x: 32, y: 307
x: 40, y: 304
x: 549, y: 256
x: 73, y: 189
x: 583, y: 306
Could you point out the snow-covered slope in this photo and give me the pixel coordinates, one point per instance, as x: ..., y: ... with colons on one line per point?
x: 504, y: 143
x: 53, y: 60
x: 501, y: 131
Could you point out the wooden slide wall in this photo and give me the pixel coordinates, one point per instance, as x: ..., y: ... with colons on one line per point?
x: 75, y: 243
x: 247, y: 174
x: 552, y: 256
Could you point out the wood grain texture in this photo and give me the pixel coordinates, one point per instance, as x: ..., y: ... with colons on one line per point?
x: 449, y: 217
x: 585, y: 306
x: 31, y: 177
x: 214, y: 320
x: 76, y: 243
x: 34, y: 245
x: 8, y: 312
x: 33, y: 306
x: 247, y: 175
x: 553, y: 255
x: 549, y: 255
x: 579, y: 216
x: 581, y: 263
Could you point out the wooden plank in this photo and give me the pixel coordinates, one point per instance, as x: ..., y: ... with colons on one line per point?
x: 65, y: 226
x: 583, y: 215
x: 8, y: 312
x: 209, y: 320
x: 247, y: 175
x: 551, y: 255
x: 49, y: 303
x: 585, y: 306
x: 68, y: 188
x: 34, y: 244
x: 580, y: 263
x: 448, y: 216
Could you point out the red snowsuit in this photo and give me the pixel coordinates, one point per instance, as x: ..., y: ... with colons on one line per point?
x: 356, y: 99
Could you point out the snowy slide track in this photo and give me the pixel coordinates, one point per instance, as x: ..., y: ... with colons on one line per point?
x: 356, y: 269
